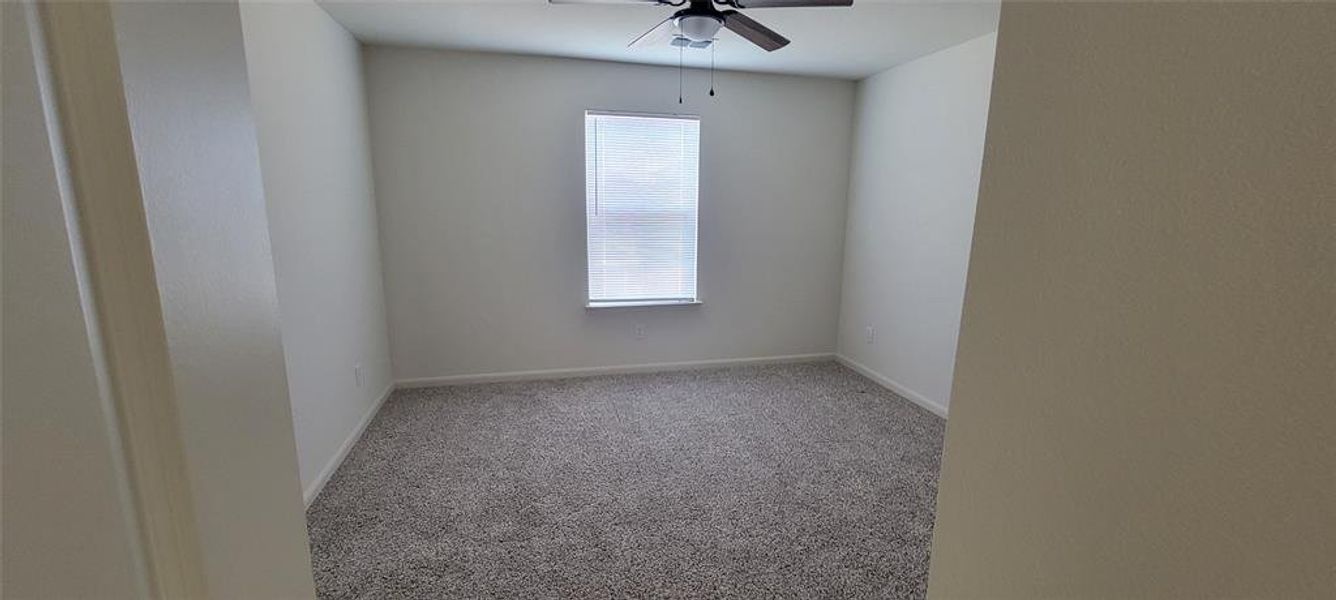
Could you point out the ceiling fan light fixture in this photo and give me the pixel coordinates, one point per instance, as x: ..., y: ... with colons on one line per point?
x: 699, y: 28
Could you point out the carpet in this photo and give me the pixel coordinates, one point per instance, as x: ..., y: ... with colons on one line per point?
x: 798, y: 481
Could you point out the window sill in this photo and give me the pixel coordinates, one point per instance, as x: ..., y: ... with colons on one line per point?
x: 639, y: 303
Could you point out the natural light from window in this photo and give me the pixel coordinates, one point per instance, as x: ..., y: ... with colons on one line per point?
x: 641, y: 187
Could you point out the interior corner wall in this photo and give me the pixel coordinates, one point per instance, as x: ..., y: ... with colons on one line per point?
x: 306, y: 83
x: 479, y: 162
x: 1144, y: 403
x: 913, y: 187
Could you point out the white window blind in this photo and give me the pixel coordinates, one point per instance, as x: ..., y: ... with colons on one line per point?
x: 641, y: 180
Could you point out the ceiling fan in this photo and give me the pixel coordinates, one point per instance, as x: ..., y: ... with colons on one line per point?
x: 696, y: 25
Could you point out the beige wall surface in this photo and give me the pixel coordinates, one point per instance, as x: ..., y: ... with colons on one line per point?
x: 913, y: 186
x: 479, y: 163
x: 68, y: 525
x: 306, y: 81
x: 1144, y: 401
x: 190, y: 113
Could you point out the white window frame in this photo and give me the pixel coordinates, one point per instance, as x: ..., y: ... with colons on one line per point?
x: 646, y: 302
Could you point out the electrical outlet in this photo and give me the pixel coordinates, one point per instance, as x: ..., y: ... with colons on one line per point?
x: 639, y: 331
x: 357, y: 374
x: 869, y: 334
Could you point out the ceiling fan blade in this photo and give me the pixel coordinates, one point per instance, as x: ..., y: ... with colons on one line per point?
x: 789, y: 3
x: 754, y: 32
x: 659, y: 34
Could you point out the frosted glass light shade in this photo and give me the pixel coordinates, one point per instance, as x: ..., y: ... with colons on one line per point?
x: 699, y: 28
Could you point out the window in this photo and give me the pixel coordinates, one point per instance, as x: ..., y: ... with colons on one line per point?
x: 641, y: 176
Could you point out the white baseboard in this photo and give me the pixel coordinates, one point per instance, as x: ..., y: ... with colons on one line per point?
x: 613, y: 370
x: 313, y: 490
x: 933, y: 407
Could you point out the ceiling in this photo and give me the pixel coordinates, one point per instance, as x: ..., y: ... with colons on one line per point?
x: 852, y: 42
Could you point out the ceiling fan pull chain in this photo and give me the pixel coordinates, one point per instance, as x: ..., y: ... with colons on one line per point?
x: 679, y: 74
x: 711, y: 69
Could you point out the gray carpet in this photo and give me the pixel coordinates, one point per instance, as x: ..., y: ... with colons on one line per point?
x: 795, y: 481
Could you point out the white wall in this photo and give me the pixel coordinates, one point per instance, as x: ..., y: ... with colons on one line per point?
x: 480, y: 186
x: 914, y: 182
x: 306, y: 83
x: 67, y: 514
x: 1144, y: 403
x: 186, y: 92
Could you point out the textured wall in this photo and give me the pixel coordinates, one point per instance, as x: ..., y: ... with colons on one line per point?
x: 479, y: 163
x: 912, y: 191
x: 1144, y: 401
x: 184, y: 68
x: 306, y: 81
